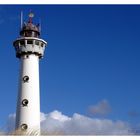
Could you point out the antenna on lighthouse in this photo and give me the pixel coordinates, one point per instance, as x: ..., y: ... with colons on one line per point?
x: 21, y: 19
x: 40, y: 25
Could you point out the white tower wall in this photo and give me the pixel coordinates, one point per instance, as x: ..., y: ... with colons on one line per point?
x: 29, y: 49
x: 30, y: 114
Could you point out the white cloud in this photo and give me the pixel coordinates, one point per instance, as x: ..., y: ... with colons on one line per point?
x: 10, y: 123
x: 57, y: 123
x: 101, y: 108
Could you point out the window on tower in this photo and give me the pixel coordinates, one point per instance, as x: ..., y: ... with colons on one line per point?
x: 36, y: 42
x: 22, y: 42
x: 42, y: 44
x: 29, y: 41
x: 25, y: 79
x: 30, y: 34
x: 25, y: 102
x: 16, y: 44
x: 24, y: 127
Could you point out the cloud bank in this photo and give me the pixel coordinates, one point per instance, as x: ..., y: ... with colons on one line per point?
x: 57, y: 123
x: 101, y: 108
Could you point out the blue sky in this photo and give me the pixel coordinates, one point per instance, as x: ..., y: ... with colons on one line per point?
x: 92, y: 56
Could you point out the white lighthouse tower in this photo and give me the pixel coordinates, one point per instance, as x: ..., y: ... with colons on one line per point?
x: 29, y: 49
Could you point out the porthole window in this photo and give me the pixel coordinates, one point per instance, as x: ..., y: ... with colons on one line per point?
x: 25, y: 79
x: 24, y: 127
x: 25, y: 102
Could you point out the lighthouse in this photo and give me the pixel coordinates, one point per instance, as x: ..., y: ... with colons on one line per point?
x: 29, y: 49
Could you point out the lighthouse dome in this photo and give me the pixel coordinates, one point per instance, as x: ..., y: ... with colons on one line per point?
x: 29, y: 29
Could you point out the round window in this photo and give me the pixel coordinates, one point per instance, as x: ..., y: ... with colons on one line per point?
x: 24, y: 127
x: 25, y: 79
x: 25, y: 102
